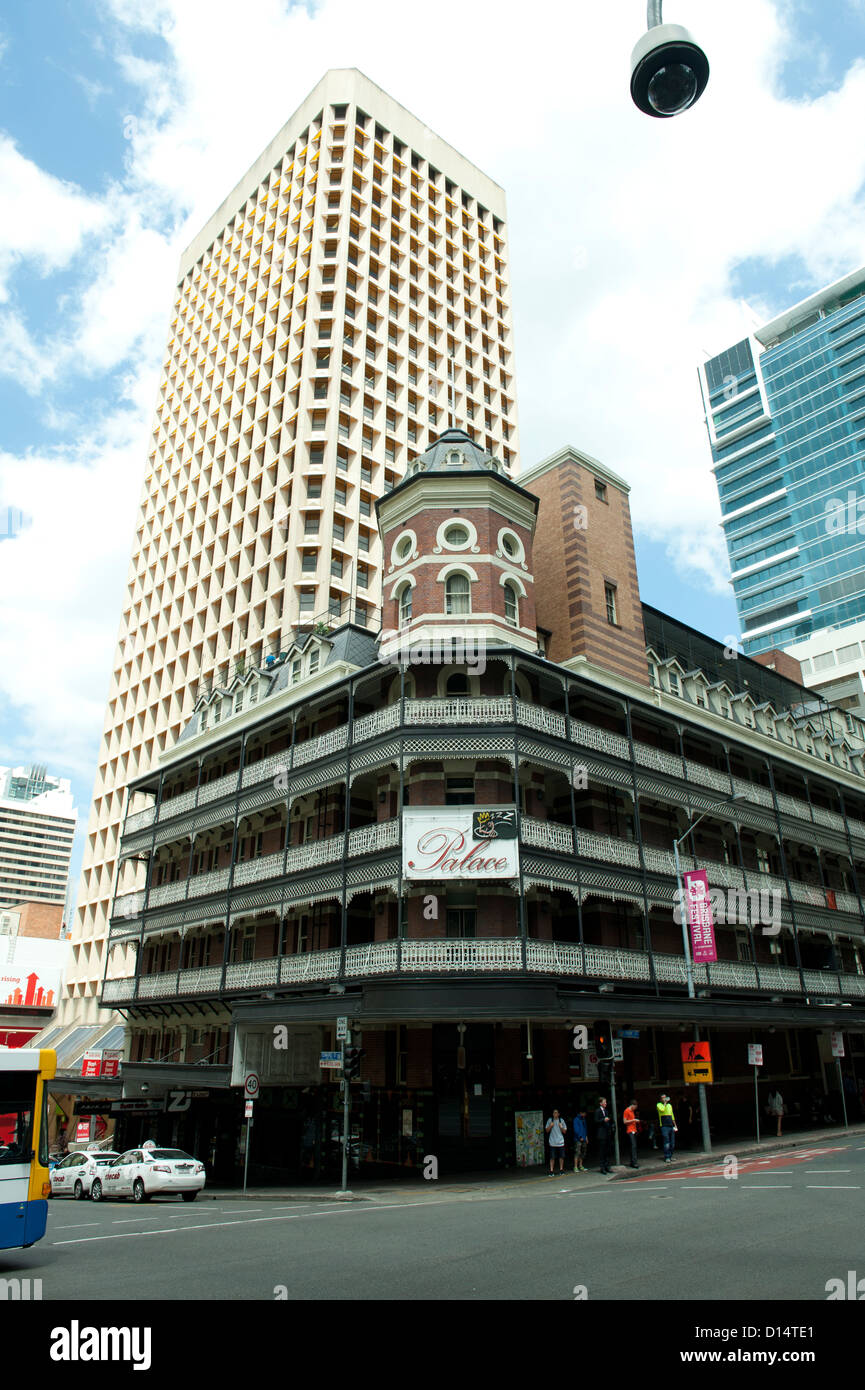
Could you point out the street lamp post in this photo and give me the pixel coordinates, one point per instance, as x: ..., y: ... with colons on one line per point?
x: 689, y: 968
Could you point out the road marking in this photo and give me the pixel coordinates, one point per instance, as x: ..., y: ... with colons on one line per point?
x: 716, y: 1187
x: 828, y: 1170
x: 762, y: 1186
x: 123, y: 1220
x: 79, y: 1226
x: 829, y: 1187
x: 297, y: 1216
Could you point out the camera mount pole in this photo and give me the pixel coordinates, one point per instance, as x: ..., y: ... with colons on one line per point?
x: 653, y: 17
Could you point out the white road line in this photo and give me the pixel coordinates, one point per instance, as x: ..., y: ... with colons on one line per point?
x: 212, y: 1225
x: 79, y: 1226
x: 717, y: 1187
x: 820, y: 1187
x: 762, y: 1186
x: 124, y: 1220
x: 827, y: 1170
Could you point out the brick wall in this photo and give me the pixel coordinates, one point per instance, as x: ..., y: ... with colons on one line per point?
x: 573, y: 564
x: 40, y: 919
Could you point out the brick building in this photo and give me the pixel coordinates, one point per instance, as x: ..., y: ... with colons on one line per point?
x: 459, y: 835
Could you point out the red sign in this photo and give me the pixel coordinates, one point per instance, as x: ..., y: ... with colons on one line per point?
x: 696, y: 1052
x: 111, y: 1063
x: 700, y: 920
x: 91, y: 1064
x: 82, y: 1131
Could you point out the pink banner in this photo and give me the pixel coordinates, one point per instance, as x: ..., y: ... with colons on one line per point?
x: 700, y: 921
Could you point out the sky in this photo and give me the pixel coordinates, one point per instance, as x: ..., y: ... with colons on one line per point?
x: 638, y: 247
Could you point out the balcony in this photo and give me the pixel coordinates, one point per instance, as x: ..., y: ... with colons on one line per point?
x: 477, y: 956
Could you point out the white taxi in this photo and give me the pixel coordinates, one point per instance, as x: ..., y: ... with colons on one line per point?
x: 145, y: 1172
x: 74, y: 1177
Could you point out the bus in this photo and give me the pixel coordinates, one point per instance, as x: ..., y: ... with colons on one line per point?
x: 24, y: 1185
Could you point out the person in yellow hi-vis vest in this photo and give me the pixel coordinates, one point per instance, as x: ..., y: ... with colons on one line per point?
x: 669, y: 1128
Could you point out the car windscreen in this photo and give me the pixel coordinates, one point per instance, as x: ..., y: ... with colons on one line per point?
x: 171, y: 1153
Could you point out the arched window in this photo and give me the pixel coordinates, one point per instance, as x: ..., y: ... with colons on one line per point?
x: 458, y: 684
x: 457, y: 594
x: 512, y: 609
x: 405, y: 605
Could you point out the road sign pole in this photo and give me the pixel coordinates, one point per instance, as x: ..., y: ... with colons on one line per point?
x: 757, y: 1103
x: 704, y: 1109
x: 346, y: 1118
x: 246, y: 1154
x: 841, y: 1089
x: 614, y: 1111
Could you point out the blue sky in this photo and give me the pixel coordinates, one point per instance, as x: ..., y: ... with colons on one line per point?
x: 124, y: 123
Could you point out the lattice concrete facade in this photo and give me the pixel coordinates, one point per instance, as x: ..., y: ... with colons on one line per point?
x: 348, y: 300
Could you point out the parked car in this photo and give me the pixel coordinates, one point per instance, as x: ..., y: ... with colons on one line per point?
x: 73, y: 1176
x: 147, y: 1172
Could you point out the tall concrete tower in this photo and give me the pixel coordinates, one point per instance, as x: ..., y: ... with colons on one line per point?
x: 348, y: 301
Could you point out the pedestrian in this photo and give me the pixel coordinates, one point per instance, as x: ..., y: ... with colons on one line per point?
x: 581, y: 1141
x: 603, y: 1133
x: 669, y: 1128
x: 632, y: 1128
x: 556, y: 1131
x: 775, y: 1108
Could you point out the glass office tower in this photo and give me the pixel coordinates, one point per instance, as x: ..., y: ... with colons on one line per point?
x: 785, y: 410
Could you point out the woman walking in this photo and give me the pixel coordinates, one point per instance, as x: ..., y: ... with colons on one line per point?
x: 776, y: 1108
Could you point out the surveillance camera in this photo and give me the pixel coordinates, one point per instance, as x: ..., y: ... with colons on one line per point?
x: 669, y: 71
x: 144, y: 1087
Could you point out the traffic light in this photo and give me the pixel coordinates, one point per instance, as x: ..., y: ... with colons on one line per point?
x: 603, y: 1035
x: 351, y: 1062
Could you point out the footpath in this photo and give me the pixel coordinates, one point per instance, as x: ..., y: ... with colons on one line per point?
x: 411, y: 1186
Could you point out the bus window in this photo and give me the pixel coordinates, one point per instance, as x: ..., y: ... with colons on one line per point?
x: 17, y: 1095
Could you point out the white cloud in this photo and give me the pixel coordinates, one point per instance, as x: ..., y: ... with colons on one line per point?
x: 44, y: 219
x: 625, y: 237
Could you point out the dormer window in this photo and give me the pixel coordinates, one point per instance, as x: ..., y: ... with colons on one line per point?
x: 295, y: 671
x: 455, y: 459
x: 314, y: 657
x: 202, y: 722
x: 675, y: 688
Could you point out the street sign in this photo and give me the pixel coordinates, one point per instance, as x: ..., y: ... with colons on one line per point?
x: 247, y: 1109
x: 251, y: 1085
x: 341, y: 1029
x: 330, y: 1060
x: 837, y: 1044
x: 618, y: 1050
x: 698, y: 1072
x: 629, y: 1032
x: 696, y: 1052
x: 91, y: 1064
x: 111, y: 1062
x: 755, y: 1054
x: 137, y: 1107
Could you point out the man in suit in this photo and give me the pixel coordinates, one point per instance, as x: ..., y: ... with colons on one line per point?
x: 603, y: 1134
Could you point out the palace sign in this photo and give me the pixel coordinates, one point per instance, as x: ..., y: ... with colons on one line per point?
x: 460, y: 842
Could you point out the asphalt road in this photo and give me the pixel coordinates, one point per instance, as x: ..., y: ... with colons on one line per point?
x: 778, y: 1229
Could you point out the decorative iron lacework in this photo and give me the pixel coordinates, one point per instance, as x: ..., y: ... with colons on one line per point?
x: 608, y: 773
x: 261, y: 910
x: 615, y: 894
x: 552, y: 885
x: 446, y: 745
x: 375, y: 765
x: 323, y: 886
x: 629, y: 883
x: 243, y: 902
x: 359, y: 874
x: 379, y: 756
x: 373, y: 886
x: 566, y: 870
